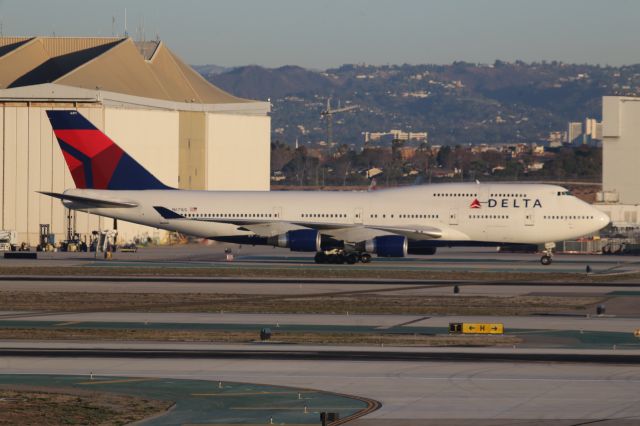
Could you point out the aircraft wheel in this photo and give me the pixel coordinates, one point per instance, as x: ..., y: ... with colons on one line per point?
x: 352, y: 258
x: 334, y: 259
x: 365, y: 258
x: 545, y: 260
x: 320, y: 257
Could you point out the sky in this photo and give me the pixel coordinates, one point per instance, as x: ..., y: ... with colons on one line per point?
x: 327, y: 33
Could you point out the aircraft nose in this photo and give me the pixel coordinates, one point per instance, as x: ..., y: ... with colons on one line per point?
x: 602, y: 219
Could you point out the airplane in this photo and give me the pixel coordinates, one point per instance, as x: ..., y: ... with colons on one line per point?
x: 339, y: 226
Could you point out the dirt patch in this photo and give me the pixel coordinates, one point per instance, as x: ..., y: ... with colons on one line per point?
x: 22, y: 405
x: 248, y: 336
x: 326, y: 271
x: 357, y: 302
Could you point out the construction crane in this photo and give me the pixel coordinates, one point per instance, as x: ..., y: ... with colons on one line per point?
x: 328, y: 115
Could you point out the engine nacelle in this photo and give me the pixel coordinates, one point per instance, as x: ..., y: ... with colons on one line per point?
x: 421, y: 247
x: 387, y: 246
x: 422, y: 250
x: 300, y: 240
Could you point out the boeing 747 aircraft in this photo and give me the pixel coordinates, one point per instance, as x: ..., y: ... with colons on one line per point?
x: 339, y: 226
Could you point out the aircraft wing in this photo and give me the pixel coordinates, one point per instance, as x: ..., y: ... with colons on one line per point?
x: 258, y: 226
x: 350, y: 233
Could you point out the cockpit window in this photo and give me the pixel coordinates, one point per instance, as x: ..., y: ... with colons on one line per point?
x: 563, y: 193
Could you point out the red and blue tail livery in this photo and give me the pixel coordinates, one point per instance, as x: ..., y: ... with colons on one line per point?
x: 94, y: 160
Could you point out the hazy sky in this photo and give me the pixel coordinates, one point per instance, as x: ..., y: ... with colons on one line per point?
x: 327, y: 33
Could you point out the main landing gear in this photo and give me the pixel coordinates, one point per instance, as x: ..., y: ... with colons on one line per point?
x: 340, y: 256
x: 547, y: 253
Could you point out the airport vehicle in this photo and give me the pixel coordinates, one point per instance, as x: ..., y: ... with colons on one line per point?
x: 128, y: 248
x: 8, y: 240
x: 339, y: 226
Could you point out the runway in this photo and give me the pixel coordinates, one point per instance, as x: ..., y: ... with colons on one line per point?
x: 412, y: 393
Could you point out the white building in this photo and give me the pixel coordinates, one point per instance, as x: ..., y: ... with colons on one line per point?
x: 620, y: 197
x: 187, y: 132
x: 574, y: 133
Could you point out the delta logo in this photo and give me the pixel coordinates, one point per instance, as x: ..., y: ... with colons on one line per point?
x: 507, y: 203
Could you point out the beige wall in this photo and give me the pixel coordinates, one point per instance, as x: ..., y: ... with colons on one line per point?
x: 621, y: 148
x: 238, y: 152
x: 151, y: 138
x: 193, y: 159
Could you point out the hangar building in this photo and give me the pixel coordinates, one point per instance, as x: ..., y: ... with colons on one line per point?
x: 187, y: 132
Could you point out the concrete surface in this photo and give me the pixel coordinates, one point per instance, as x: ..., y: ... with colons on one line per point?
x: 414, y: 391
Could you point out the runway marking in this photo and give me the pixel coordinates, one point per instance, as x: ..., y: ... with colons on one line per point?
x: 108, y: 382
x: 252, y: 393
x: 402, y: 324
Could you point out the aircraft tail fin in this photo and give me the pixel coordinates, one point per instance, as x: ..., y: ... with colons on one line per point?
x: 94, y: 160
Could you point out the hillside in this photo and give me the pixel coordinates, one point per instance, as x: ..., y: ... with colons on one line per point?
x: 460, y: 103
x: 262, y: 83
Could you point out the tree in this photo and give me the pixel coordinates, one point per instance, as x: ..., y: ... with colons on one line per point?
x: 281, y: 154
x: 445, y: 157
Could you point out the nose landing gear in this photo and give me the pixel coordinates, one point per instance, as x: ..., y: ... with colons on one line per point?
x: 547, y: 254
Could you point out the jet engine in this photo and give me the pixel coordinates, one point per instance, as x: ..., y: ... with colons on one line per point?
x: 387, y: 246
x: 299, y: 240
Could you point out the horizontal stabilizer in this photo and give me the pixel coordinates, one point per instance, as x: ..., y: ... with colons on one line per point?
x: 167, y: 214
x: 92, y: 201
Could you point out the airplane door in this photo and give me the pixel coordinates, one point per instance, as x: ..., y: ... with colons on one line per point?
x: 277, y: 212
x: 357, y: 215
x: 453, y: 217
x: 529, y: 217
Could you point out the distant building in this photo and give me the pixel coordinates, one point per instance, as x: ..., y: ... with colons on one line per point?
x: 574, y: 133
x: 592, y: 131
x: 587, y: 133
x: 407, y: 152
x: 555, y: 139
x: 535, y: 166
x: 395, y: 134
x: 537, y: 149
x: 373, y: 172
x: 598, y: 134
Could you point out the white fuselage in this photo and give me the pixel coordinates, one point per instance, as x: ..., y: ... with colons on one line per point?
x: 501, y: 213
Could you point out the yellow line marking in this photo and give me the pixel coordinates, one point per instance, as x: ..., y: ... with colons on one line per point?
x: 68, y: 323
x: 250, y: 393
x: 108, y: 382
